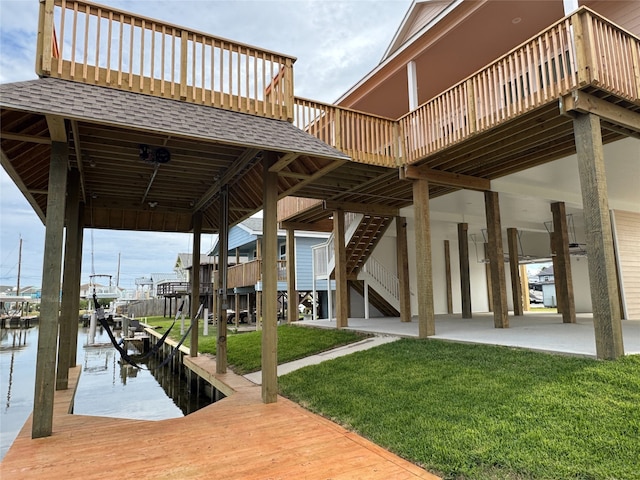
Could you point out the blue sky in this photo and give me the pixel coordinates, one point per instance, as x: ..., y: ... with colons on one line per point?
x: 336, y: 43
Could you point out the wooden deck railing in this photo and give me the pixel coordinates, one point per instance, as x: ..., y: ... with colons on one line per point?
x: 364, y: 137
x: 90, y: 43
x: 248, y: 274
x: 583, y: 49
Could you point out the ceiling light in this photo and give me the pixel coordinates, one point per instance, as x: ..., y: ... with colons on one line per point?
x: 516, y: 20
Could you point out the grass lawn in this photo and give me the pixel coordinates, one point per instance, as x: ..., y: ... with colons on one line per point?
x: 483, y: 412
x: 243, y: 349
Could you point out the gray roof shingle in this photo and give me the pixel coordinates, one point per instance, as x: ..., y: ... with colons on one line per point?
x: 105, y: 105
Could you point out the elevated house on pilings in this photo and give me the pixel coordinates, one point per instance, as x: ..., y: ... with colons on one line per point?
x: 475, y: 105
x: 496, y: 122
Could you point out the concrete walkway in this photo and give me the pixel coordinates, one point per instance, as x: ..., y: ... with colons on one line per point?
x: 535, y: 331
x: 256, y: 377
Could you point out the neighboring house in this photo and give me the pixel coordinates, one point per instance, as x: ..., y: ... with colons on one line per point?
x: 244, y: 273
x: 174, y: 287
x: 546, y: 275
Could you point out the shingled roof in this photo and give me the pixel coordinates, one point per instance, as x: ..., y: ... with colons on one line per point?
x: 80, y: 101
x: 106, y: 129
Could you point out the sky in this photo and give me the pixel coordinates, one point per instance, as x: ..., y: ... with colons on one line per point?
x: 336, y: 43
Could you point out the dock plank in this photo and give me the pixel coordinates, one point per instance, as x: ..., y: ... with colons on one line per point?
x: 275, y: 441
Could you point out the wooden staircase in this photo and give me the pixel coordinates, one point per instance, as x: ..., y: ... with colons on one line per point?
x: 363, y: 241
x: 375, y: 299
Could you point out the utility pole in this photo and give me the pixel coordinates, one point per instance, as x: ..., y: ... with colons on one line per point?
x: 19, y: 266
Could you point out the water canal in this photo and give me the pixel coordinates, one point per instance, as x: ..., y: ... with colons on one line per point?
x: 106, y: 387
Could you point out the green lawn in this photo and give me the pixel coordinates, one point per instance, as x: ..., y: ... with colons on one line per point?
x: 243, y: 349
x: 483, y: 412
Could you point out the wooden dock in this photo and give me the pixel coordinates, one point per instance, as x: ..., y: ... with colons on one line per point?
x: 238, y: 437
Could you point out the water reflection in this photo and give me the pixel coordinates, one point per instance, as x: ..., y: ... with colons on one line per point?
x: 107, y: 387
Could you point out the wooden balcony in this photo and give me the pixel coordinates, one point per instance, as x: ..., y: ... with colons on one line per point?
x: 583, y: 51
x: 90, y: 43
x: 178, y: 289
x: 250, y: 273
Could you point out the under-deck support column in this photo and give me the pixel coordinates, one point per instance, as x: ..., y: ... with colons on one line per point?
x: 496, y: 260
x: 270, y: 284
x: 426, y: 316
x: 514, y: 268
x: 73, y: 350
x: 195, y: 282
x: 562, y: 267
x: 69, y: 279
x: 223, y: 261
x: 465, y: 277
x: 447, y: 274
x: 603, y: 278
x: 50, y: 299
x: 403, y: 269
x: 342, y: 295
x: 292, y: 294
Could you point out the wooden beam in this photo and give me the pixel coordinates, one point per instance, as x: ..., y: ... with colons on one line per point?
x: 49, y: 304
x: 402, y: 250
x: 562, y: 271
x: 270, y: 283
x: 238, y: 165
x: 284, y: 161
x: 365, y: 208
x: 25, y: 138
x: 314, y: 176
x: 79, y: 160
x: 57, y: 128
x: 524, y: 279
x: 292, y: 294
x: 426, y: 316
x: 319, y: 226
x: 581, y: 102
x: 68, y: 315
x: 340, y: 254
x: 602, y: 269
x: 465, y: 277
x: 496, y: 260
x: 447, y: 179
x: 195, y: 282
x: 447, y: 267
x: 516, y: 286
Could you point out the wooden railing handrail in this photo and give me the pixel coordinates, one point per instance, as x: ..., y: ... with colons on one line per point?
x: 162, y: 59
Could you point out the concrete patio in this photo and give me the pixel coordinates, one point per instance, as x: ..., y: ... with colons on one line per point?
x: 534, y: 331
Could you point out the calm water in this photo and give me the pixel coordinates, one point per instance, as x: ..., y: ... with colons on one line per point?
x: 106, y: 388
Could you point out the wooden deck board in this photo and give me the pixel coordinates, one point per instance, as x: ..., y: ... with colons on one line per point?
x: 238, y: 437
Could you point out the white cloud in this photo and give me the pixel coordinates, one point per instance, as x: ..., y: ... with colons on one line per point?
x: 336, y: 43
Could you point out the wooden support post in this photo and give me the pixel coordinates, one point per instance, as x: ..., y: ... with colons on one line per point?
x: 216, y: 288
x: 496, y: 260
x: 342, y: 296
x: 270, y: 283
x: 487, y: 271
x: 465, y: 277
x: 195, y: 282
x: 426, y: 316
x: 447, y: 268
x: 516, y: 286
x: 68, y: 315
x: 562, y: 271
x: 73, y: 350
x: 602, y: 270
x: 292, y: 294
x: 223, y: 249
x: 50, y: 299
x: 403, y: 269
x: 258, y: 311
